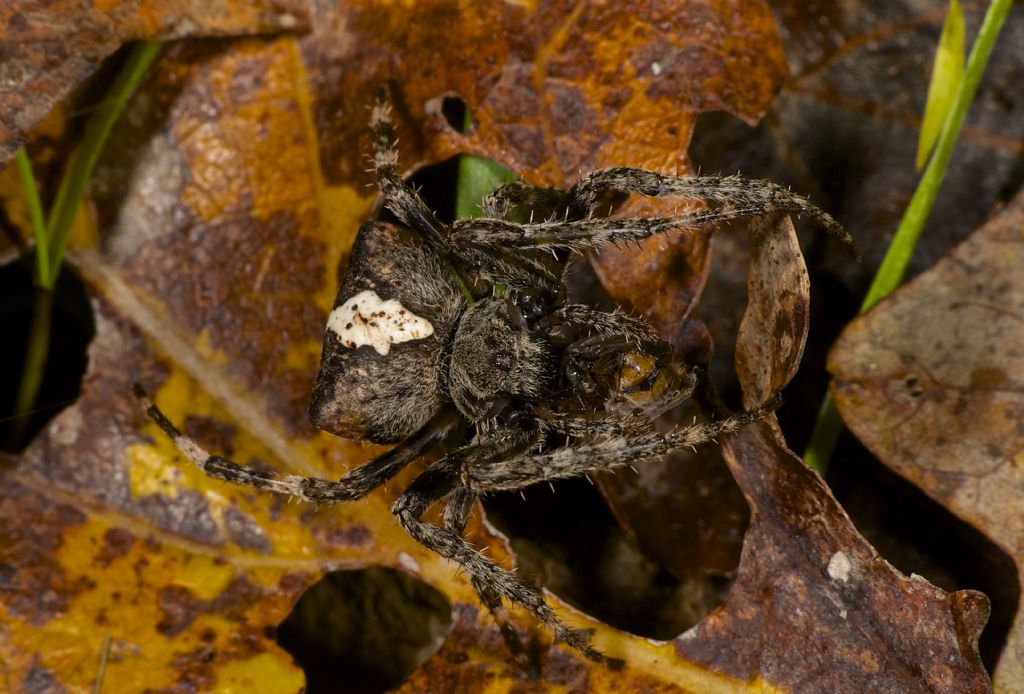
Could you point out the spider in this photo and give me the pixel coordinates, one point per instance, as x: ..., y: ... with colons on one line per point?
x: 436, y: 326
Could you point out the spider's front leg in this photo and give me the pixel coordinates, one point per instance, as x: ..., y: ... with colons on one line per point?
x: 456, y: 514
x: 440, y: 480
x: 609, y: 454
x: 354, y: 485
x: 734, y: 195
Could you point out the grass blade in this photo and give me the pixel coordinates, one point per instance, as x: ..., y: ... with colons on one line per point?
x: 947, y: 75
x: 35, y: 213
x: 894, y: 266
x: 79, y: 170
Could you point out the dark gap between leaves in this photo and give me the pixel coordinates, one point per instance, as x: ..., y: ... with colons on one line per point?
x: 72, y: 327
x: 364, y: 631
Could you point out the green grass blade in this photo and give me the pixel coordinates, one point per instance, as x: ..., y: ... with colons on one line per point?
x: 947, y: 75
x: 79, y: 170
x: 36, y: 352
x: 894, y: 266
x: 35, y: 213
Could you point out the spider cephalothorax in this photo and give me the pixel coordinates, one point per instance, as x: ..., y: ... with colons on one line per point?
x: 437, y: 324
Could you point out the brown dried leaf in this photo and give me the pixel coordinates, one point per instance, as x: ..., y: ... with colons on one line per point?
x: 49, y: 48
x: 222, y: 207
x: 814, y: 608
x: 771, y: 337
x: 930, y: 381
x: 844, y: 129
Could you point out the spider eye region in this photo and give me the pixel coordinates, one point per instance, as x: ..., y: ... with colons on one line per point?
x: 493, y: 358
x: 366, y: 319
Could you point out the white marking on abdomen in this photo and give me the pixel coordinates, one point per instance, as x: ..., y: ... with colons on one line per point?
x: 366, y: 319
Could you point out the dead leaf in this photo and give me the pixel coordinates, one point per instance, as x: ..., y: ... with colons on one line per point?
x: 51, y: 47
x: 815, y: 608
x: 844, y: 129
x: 222, y: 208
x: 929, y: 381
x: 222, y: 211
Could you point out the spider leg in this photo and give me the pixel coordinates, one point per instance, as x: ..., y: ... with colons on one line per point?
x: 581, y: 425
x: 518, y: 270
x: 531, y: 200
x: 524, y: 470
x: 456, y: 514
x: 593, y: 233
x: 727, y: 191
x: 354, y: 485
x: 636, y: 331
x: 404, y: 202
x: 436, y: 482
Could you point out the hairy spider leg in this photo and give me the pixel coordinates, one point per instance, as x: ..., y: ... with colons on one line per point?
x: 579, y: 425
x: 501, y: 201
x: 404, y: 202
x: 354, y: 485
x: 592, y: 233
x: 636, y: 331
x: 457, y: 508
x: 522, y: 471
x: 737, y: 192
x: 436, y: 482
x: 511, y: 267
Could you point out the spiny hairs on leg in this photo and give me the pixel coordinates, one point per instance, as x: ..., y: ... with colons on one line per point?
x: 729, y: 191
x: 402, y: 200
x: 604, y: 455
x: 356, y: 484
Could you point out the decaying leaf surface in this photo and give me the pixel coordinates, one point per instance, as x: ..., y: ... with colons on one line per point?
x: 814, y: 608
x: 49, y: 48
x: 222, y: 209
x: 844, y: 129
x: 930, y: 381
x: 221, y: 214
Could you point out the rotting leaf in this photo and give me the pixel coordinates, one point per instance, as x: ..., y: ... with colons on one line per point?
x: 771, y: 337
x: 222, y: 209
x: 51, y: 47
x: 844, y: 129
x: 815, y: 608
x: 940, y: 403
x: 221, y: 216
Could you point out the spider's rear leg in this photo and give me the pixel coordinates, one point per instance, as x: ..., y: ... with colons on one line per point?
x: 436, y: 482
x: 456, y: 514
x: 758, y: 197
x: 354, y: 485
x: 574, y: 461
x: 404, y: 202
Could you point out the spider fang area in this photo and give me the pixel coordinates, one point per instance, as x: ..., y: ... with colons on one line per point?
x: 366, y: 319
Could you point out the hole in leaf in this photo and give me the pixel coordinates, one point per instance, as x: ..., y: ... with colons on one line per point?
x: 455, y: 112
x: 454, y: 188
x: 437, y: 185
x: 364, y: 631
x: 567, y: 540
x: 65, y: 321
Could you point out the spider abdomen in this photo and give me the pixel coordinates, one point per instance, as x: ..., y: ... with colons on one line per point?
x: 399, y: 302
